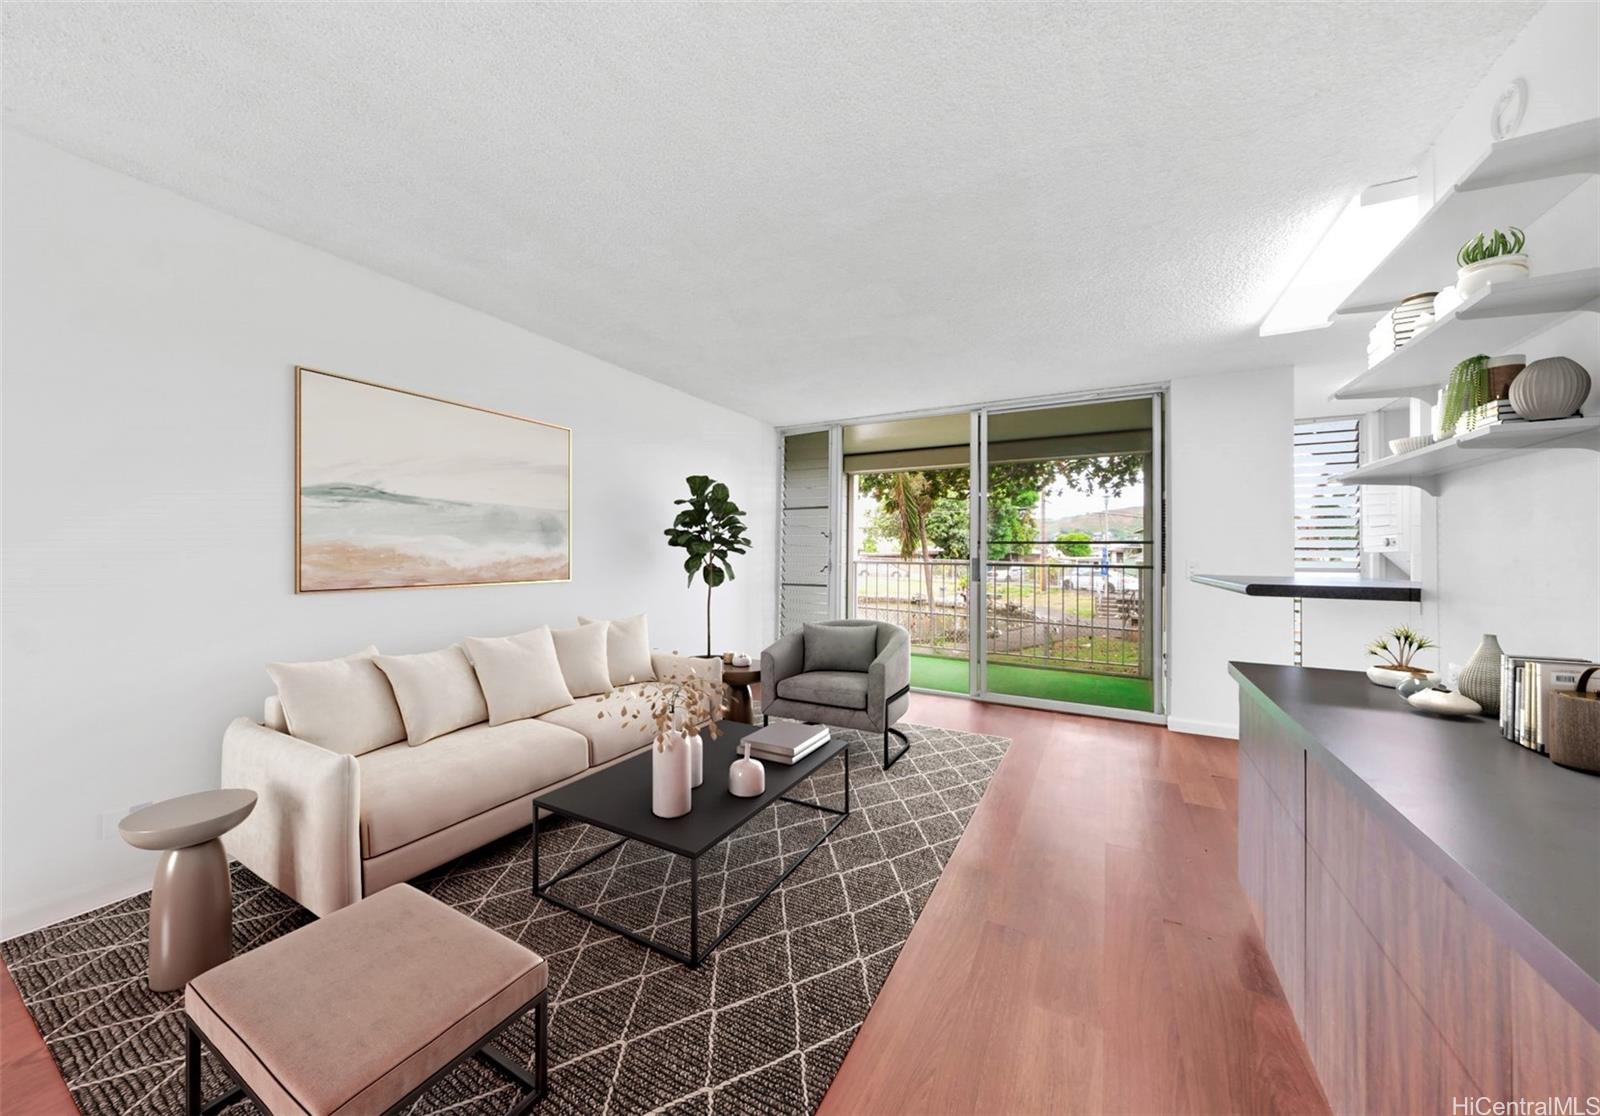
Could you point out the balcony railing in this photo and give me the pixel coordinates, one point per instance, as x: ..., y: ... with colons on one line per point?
x: 1089, y: 614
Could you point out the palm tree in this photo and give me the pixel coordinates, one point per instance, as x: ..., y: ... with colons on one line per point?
x: 908, y: 498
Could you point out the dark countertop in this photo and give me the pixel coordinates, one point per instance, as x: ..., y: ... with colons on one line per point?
x: 1515, y: 835
x: 1334, y: 586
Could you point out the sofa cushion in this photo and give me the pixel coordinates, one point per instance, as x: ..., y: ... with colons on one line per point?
x: 627, y: 649
x: 520, y: 675
x: 349, y: 1014
x: 408, y: 793
x: 840, y: 688
x: 344, y: 705
x: 607, y: 721
x: 840, y: 646
x: 582, y: 652
x: 438, y: 692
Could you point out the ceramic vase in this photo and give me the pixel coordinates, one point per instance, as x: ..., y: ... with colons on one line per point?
x: 747, y: 777
x: 670, y: 767
x: 697, y: 752
x: 1552, y: 388
x: 1480, y: 678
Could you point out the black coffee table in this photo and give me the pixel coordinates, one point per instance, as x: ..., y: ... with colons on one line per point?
x: 617, y: 799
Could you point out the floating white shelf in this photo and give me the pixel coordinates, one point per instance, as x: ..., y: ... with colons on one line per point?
x: 1517, y: 181
x: 1421, y: 468
x: 1493, y: 321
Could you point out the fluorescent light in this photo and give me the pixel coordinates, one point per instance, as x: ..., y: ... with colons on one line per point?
x: 1370, y: 226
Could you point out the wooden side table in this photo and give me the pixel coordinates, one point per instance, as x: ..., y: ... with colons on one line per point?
x: 191, y: 904
x: 738, y: 679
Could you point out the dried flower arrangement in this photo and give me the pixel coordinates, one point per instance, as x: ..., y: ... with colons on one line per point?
x: 673, y: 704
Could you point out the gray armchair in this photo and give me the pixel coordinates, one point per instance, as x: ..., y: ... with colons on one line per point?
x: 845, y: 673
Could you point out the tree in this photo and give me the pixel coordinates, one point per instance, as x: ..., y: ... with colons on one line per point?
x: 948, y: 526
x: 1075, y: 544
x: 710, y: 528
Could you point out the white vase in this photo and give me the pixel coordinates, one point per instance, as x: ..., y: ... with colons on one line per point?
x: 1497, y: 269
x: 747, y: 777
x: 697, y: 749
x: 1552, y: 388
x: 670, y: 766
x: 1480, y: 678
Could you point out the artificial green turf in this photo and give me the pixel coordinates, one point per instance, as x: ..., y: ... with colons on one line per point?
x: 934, y: 672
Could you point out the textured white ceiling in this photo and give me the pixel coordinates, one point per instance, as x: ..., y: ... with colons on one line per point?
x: 804, y: 211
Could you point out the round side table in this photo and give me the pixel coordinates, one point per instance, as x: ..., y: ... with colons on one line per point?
x: 738, y: 679
x: 191, y: 904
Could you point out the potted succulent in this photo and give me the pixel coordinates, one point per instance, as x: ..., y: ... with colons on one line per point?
x: 1395, y: 651
x: 1491, y: 257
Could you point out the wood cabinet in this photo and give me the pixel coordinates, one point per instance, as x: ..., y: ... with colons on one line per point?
x: 1409, y: 994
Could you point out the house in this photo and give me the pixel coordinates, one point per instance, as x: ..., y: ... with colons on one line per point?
x: 437, y: 436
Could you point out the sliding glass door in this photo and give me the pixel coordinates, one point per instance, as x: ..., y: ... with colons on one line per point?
x: 1067, y: 561
x: 1041, y: 583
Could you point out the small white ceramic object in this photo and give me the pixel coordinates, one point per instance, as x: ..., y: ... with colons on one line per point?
x: 747, y: 777
x: 1444, y: 703
x: 1497, y: 269
x: 670, y: 793
x: 697, y: 749
x: 1406, y: 445
x: 1383, y: 676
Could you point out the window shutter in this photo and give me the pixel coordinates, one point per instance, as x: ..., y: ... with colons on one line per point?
x: 1327, y: 515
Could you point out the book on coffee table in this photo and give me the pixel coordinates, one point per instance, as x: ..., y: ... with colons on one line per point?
x: 787, y: 741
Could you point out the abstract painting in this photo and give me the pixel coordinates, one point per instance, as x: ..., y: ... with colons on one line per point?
x: 401, y: 490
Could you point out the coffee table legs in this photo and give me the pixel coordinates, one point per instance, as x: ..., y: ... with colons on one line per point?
x: 191, y: 915
x: 696, y: 956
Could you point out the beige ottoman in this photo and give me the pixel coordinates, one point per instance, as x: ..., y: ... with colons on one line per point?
x: 362, y: 1011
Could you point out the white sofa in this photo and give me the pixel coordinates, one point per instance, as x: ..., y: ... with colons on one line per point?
x: 330, y: 828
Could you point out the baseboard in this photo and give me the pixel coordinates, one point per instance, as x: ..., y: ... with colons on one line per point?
x: 60, y: 908
x: 1203, y: 728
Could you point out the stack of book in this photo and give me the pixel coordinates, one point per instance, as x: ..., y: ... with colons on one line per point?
x: 1494, y: 411
x: 1528, y: 685
x: 787, y: 741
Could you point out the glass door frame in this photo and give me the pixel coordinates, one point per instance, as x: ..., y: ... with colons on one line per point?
x: 978, y: 577
x: 977, y: 603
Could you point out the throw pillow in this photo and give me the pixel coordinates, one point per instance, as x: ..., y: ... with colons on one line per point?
x: 627, y: 649
x: 582, y: 652
x: 850, y: 647
x: 344, y: 705
x: 438, y: 692
x: 520, y: 675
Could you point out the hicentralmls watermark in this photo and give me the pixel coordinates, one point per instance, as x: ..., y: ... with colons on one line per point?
x: 1525, y: 1106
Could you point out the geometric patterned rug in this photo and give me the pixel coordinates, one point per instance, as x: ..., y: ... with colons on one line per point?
x: 760, y: 1027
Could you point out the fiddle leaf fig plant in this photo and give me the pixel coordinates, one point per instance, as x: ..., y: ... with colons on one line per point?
x: 711, y: 528
x: 1486, y: 246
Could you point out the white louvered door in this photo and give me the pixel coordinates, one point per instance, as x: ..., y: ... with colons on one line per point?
x: 806, y: 562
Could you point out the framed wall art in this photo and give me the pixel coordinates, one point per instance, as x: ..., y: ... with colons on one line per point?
x: 399, y: 490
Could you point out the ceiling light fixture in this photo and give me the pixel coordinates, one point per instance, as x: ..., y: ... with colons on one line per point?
x: 1370, y: 226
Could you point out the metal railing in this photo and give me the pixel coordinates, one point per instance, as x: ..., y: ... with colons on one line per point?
x: 1067, y: 614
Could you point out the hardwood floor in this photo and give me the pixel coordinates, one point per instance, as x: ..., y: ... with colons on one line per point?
x: 1088, y: 948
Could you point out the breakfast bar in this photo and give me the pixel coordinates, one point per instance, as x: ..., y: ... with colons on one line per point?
x: 1428, y: 891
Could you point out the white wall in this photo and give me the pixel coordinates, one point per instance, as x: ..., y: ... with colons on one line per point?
x: 148, y: 470
x: 1231, y: 511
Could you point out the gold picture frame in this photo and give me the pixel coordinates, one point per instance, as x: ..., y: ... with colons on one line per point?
x: 388, y: 502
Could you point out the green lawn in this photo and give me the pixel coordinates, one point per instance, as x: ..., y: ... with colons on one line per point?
x: 934, y: 672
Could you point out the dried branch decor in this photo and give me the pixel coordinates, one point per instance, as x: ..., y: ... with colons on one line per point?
x: 672, y: 704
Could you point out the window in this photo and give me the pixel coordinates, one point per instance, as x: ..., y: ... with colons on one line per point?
x: 1327, y: 515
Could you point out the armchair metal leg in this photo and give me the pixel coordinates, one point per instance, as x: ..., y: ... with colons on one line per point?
x: 888, y: 760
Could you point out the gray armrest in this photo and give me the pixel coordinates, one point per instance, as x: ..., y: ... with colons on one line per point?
x: 783, y: 659
x: 890, y: 672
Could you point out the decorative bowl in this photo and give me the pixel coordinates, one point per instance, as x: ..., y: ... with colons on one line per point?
x: 1444, y: 703
x: 1406, y: 445
x: 1387, y: 676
